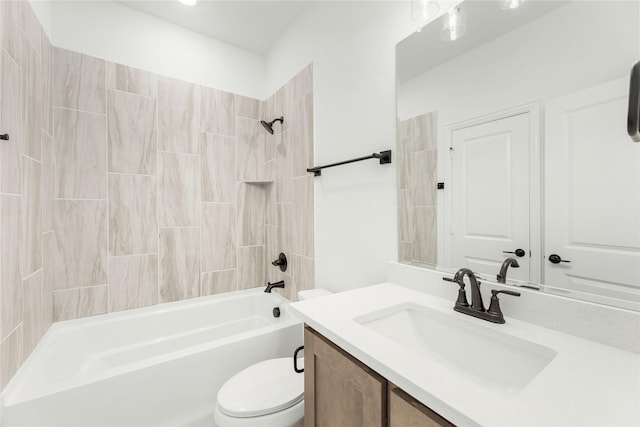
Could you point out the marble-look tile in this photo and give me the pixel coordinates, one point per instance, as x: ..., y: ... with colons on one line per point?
x: 10, y: 28
x: 128, y: 79
x: 404, y: 252
x: 79, y: 81
x: 284, y: 167
x: 179, y: 264
x: 217, y: 282
x: 271, y: 252
x: 80, y: 168
x: 270, y: 204
x: 218, y: 163
x: 424, y: 132
x: 270, y: 171
x: 404, y: 128
x: 304, y: 273
x: 217, y: 111
x: 249, y: 107
x: 133, y: 140
x: 251, y: 267
x: 303, y: 224
x: 80, y: 302
x: 32, y: 100
x: 425, y: 235
x: 423, y: 178
x: 48, y: 180
x: 403, y: 156
x: 11, y: 356
x: 219, y: 239
x: 251, y: 207
x: 133, y: 281
x: 33, y: 323
x: 31, y: 29
x: 302, y: 135
x: 301, y: 84
x: 79, y: 255
x: 250, y: 142
x: 270, y: 143
x: 10, y: 263
x: 133, y: 203
x: 405, y: 216
x: 31, y: 216
x: 274, y: 107
x: 179, y: 198
x: 284, y: 217
x: 10, y: 119
x: 178, y: 115
x: 46, y: 73
x: 49, y: 244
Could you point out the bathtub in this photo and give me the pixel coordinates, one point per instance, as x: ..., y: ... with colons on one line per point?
x: 154, y: 366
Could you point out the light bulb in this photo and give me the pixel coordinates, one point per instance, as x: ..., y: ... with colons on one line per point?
x: 510, y: 4
x: 422, y: 11
x: 454, y: 24
x: 188, y: 2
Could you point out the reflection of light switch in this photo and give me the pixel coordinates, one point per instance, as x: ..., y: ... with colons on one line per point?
x: 441, y: 186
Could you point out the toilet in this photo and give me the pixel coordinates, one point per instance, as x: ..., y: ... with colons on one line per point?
x: 267, y: 394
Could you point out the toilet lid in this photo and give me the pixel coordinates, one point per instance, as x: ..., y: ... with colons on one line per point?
x: 261, y: 389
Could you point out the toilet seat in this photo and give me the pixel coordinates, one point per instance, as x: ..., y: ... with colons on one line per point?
x: 261, y: 389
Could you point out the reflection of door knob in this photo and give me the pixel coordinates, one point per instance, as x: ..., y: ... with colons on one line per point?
x: 555, y: 259
x: 519, y: 252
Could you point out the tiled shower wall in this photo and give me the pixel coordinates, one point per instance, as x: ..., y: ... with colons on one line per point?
x: 417, y: 197
x: 142, y: 189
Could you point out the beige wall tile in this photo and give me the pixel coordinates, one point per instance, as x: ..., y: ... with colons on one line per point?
x: 78, y: 81
x: 11, y: 355
x: 80, y: 302
x: 31, y: 216
x: 250, y: 142
x: 251, y: 267
x: 31, y: 29
x: 405, y: 216
x: 79, y: 255
x: 132, y: 133
x: 423, y: 178
x: 217, y: 282
x: 128, y: 79
x: 32, y: 100
x: 34, y: 323
x: 10, y: 28
x: 251, y: 209
x: 133, y: 281
x: 284, y: 167
x: 10, y: 263
x: 218, y: 162
x: 179, y: 263
x: 404, y: 162
x: 304, y: 273
x: 270, y: 204
x: 217, y: 111
x: 284, y: 218
x: 218, y: 236
x: 423, y: 130
x: 133, y: 226
x: 303, y: 222
x: 424, y: 247
x: 274, y: 107
x: 404, y: 251
x: 49, y: 244
x: 46, y: 77
x: 301, y: 84
x: 179, y: 198
x: 302, y: 134
x: 178, y: 116
x: 250, y: 108
x: 271, y: 253
x: 48, y: 182
x: 10, y: 118
x: 80, y: 167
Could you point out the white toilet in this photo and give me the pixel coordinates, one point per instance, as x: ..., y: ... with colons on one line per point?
x: 267, y: 394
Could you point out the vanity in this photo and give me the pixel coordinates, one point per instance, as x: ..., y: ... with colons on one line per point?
x: 398, y: 353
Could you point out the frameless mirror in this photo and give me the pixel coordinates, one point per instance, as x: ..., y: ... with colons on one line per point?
x: 512, y: 143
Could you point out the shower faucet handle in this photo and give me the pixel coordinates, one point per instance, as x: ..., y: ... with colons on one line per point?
x: 281, y: 262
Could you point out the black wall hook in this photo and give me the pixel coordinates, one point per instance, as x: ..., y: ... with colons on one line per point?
x: 5, y: 137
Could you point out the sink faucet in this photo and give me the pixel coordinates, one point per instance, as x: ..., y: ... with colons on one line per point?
x: 494, y: 314
x: 509, y: 262
x: 270, y: 286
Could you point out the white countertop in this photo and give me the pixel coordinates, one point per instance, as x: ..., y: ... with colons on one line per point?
x: 587, y: 383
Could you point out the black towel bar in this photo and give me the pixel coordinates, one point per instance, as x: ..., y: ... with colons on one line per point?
x: 384, y: 156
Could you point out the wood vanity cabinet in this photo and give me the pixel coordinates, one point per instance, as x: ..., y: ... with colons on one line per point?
x: 340, y: 391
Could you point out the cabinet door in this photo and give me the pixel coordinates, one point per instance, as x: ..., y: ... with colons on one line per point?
x: 339, y: 390
x: 405, y: 411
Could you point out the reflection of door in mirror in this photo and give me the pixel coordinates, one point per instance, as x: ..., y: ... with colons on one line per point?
x: 592, y: 197
x: 490, y: 186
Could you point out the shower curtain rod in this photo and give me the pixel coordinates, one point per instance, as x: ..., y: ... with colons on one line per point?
x: 384, y: 156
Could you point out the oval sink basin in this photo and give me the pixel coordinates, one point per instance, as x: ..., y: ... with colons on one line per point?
x: 481, y: 353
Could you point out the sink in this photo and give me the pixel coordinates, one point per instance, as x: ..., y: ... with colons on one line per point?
x: 478, y: 351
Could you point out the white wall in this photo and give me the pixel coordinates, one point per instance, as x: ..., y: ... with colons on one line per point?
x: 114, y: 32
x: 352, y: 47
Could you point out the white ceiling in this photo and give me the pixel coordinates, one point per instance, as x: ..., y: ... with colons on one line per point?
x: 251, y: 25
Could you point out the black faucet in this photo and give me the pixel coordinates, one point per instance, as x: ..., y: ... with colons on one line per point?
x: 270, y: 286
x: 494, y: 314
x: 509, y: 262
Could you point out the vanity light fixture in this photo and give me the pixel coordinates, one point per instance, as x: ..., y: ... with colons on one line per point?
x: 454, y: 24
x: 188, y: 2
x: 510, y: 4
x: 422, y: 11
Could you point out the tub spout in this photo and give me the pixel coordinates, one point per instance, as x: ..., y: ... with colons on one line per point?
x: 270, y: 286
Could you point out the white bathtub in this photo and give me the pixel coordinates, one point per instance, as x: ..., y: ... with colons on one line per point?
x: 160, y: 365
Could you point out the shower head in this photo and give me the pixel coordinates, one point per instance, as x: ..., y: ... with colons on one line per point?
x: 269, y: 125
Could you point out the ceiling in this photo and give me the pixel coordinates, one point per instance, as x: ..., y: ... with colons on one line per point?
x: 251, y: 25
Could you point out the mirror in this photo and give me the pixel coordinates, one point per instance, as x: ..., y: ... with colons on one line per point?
x: 512, y: 143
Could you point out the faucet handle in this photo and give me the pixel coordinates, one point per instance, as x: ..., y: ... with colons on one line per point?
x: 462, y: 295
x: 494, y: 293
x: 494, y: 307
